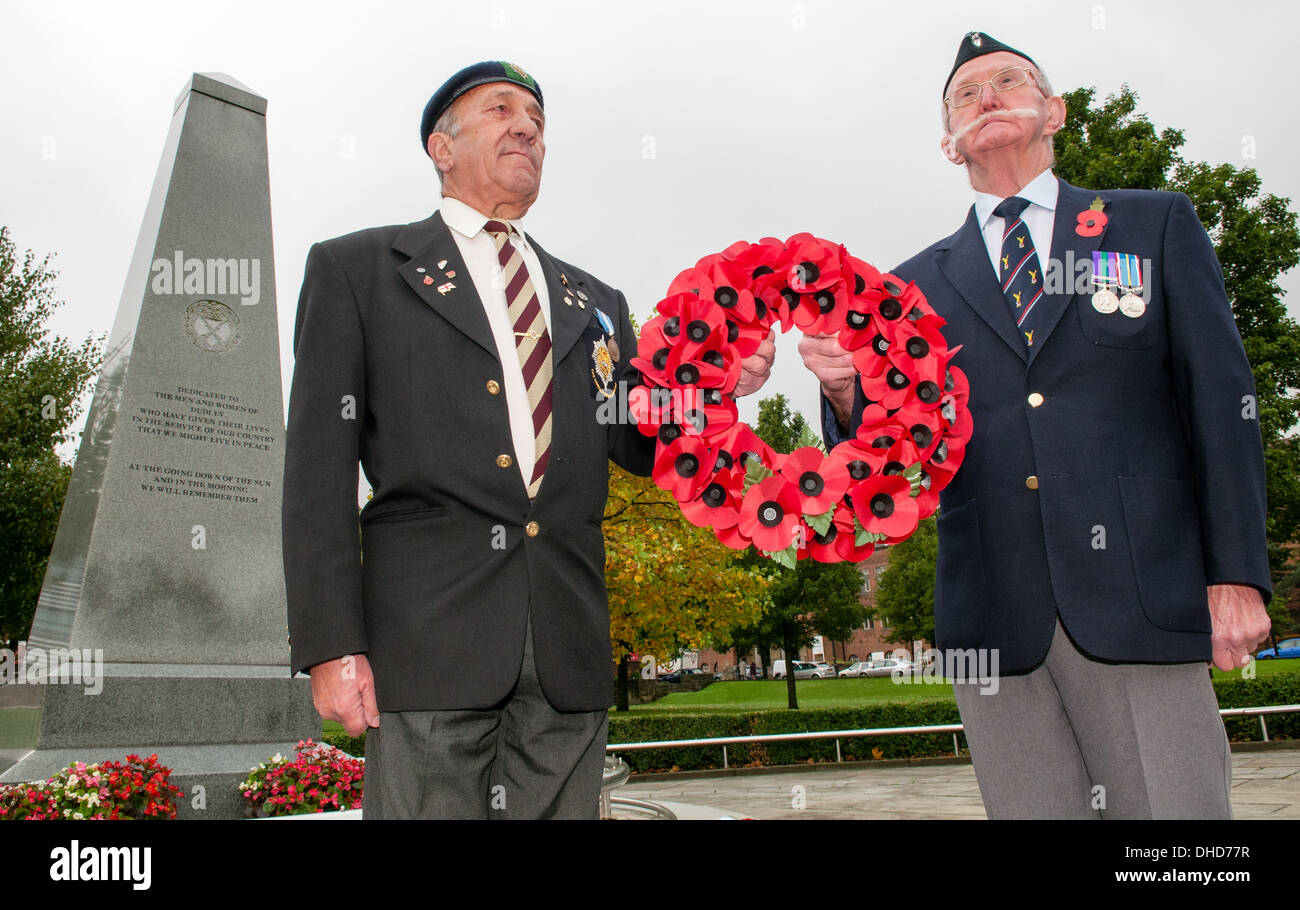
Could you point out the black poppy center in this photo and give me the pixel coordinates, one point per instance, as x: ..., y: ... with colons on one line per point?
x: 686, y: 465
x: 828, y: 537
x: 925, y: 481
x: 760, y: 306
x: 724, y: 461
x: 714, y: 495
x: 791, y: 298
x: 713, y: 396
x: 857, y: 320
x: 891, y: 309
x: 761, y: 271
x: 660, y: 358
x: 897, y: 379
x: 770, y: 514
x: 892, y: 288
x: 883, y: 441
x: 697, y: 330
x: 894, y: 467
x: 948, y: 382
x: 825, y: 301
x: 859, y: 283
x: 922, y: 435
x: 811, y: 483
x: 688, y: 374
x: 880, y: 344
x: 882, y: 506
x: 713, y: 358
x: 669, y: 432
x: 928, y: 392
x: 733, y: 332
x: 859, y: 470
x: 949, y: 411
x: 917, y: 347
x: 725, y: 296
x: 673, y: 326
x: 940, y: 454
x: 807, y: 273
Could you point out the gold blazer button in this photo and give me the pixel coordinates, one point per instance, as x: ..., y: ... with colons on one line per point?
x: 531, y: 529
x: 504, y: 461
x: 1035, y: 399
x: 493, y: 387
x: 1032, y: 482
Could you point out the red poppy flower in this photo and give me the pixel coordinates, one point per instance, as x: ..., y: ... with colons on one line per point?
x: 891, y: 389
x: 653, y: 348
x: 1091, y: 223
x: 769, y: 514
x: 705, y: 412
x: 682, y: 466
x: 884, y: 505
x: 926, y: 428
x: 856, y: 459
x: 717, y: 506
x: 709, y: 368
x: 814, y: 263
x: 652, y: 407
x: 739, y: 444
x: 826, y: 547
x: 821, y: 482
x: 846, y: 530
x: 732, y: 537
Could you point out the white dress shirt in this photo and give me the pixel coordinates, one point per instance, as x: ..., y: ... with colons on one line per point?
x: 1038, y: 216
x: 479, y: 251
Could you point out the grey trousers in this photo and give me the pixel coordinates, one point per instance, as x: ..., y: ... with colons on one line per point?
x: 520, y: 759
x: 1079, y: 738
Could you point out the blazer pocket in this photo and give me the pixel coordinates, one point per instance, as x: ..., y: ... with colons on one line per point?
x: 1163, y: 523
x: 404, y: 514
x: 959, y: 586
x: 1115, y: 330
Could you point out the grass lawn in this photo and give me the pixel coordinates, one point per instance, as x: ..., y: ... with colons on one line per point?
x: 763, y: 695
x: 1263, y: 668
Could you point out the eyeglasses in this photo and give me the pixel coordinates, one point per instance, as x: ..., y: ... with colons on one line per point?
x: 1004, y: 81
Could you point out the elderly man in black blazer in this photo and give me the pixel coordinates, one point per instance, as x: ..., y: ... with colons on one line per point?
x: 467, y: 371
x: 1104, y: 537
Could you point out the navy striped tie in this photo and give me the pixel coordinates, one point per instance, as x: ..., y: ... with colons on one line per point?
x: 1019, y: 270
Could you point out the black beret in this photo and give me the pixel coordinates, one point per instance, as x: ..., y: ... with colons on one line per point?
x: 977, y: 44
x: 471, y: 77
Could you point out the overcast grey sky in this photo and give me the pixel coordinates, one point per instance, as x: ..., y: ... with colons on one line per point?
x: 673, y: 129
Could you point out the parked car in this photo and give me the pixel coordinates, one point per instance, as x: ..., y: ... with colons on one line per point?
x: 1288, y: 648
x: 828, y: 670
x: 889, y: 666
x: 855, y: 669
x: 803, y: 669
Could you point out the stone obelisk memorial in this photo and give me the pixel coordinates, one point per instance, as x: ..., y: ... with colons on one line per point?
x: 167, y: 560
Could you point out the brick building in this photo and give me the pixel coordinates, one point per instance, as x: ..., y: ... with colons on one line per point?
x: 866, y: 642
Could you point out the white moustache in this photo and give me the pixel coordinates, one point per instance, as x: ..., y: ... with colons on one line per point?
x: 992, y: 115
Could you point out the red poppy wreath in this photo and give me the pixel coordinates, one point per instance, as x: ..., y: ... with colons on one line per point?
x: 833, y: 507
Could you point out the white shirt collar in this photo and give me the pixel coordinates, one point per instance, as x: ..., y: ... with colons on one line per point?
x: 1042, y: 191
x: 468, y: 222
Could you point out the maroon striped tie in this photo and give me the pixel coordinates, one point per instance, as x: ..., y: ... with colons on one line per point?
x: 532, y: 344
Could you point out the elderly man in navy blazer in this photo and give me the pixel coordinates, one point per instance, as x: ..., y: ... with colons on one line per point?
x: 1106, y: 532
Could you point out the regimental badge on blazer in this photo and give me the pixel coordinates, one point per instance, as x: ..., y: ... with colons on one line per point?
x: 602, y: 369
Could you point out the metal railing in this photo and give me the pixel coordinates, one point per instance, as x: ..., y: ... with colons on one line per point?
x: 838, y: 735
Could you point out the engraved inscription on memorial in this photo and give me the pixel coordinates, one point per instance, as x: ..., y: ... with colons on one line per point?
x: 202, y: 416
x: 177, y: 481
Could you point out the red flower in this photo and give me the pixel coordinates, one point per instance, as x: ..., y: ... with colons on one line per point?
x: 1091, y: 223
x: 884, y: 505
x: 846, y: 537
x: 769, y: 515
x: 718, y: 505
x: 682, y: 467
x: 821, y: 482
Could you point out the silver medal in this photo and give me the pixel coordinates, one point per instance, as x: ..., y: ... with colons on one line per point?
x: 1132, y: 305
x: 1105, y: 301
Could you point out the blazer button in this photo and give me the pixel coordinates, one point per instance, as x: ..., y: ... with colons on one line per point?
x: 1035, y: 399
x: 493, y: 387
x: 1032, y: 482
x: 531, y: 529
x: 504, y: 461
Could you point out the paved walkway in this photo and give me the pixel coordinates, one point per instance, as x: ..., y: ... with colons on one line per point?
x: 1265, y: 784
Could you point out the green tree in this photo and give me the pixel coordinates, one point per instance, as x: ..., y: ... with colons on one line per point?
x: 905, y: 595
x: 41, y: 380
x: 813, y: 597
x: 1111, y: 145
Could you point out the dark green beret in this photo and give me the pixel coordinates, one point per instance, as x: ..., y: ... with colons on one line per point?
x: 977, y: 44
x: 471, y: 77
